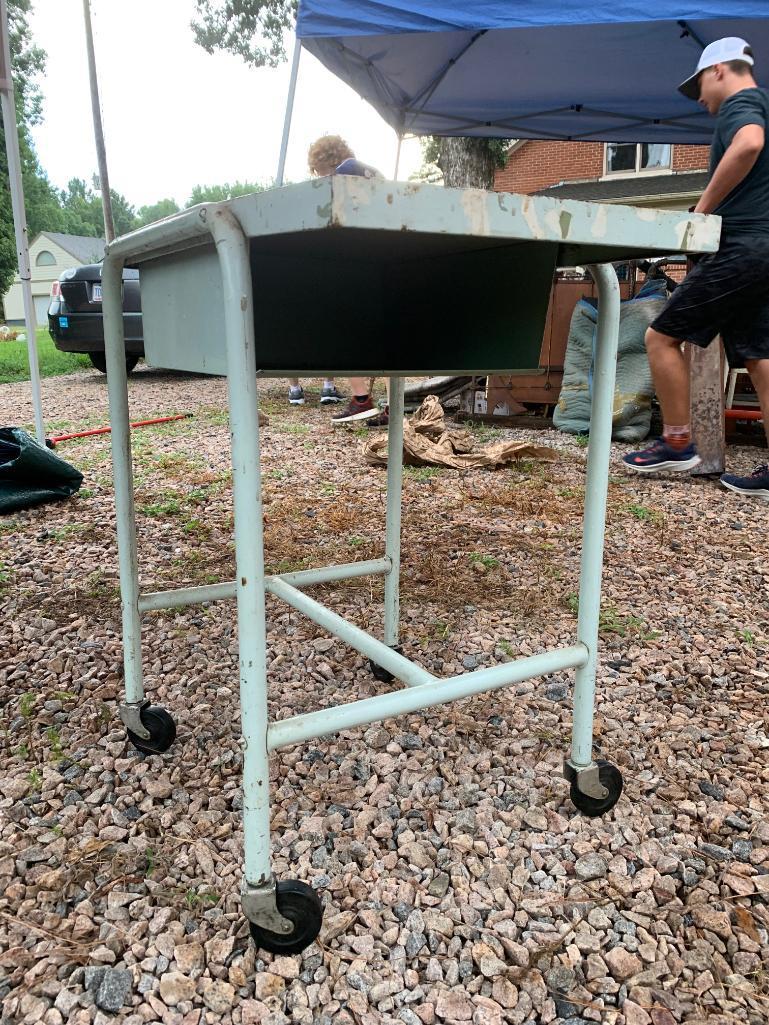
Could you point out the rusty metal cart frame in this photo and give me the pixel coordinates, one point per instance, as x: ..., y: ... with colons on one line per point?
x: 286, y: 916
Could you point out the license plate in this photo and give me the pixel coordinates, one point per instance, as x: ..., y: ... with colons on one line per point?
x: 96, y: 294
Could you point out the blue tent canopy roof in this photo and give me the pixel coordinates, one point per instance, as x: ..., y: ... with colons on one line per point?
x: 605, y: 71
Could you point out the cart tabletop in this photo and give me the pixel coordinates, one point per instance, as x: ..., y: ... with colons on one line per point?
x: 352, y: 275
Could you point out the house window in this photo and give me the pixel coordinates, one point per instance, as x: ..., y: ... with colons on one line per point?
x: 635, y: 158
x: 45, y: 259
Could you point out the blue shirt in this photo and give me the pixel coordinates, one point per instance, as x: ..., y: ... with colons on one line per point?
x: 357, y: 168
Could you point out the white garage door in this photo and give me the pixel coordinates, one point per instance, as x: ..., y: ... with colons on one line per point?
x: 42, y: 302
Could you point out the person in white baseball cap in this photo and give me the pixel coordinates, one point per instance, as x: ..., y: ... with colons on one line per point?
x: 730, y: 48
x: 727, y: 292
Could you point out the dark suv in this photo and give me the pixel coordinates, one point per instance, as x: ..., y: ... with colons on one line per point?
x: 75, y: 318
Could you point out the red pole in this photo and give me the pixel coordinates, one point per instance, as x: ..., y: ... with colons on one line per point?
x: 106, y: 430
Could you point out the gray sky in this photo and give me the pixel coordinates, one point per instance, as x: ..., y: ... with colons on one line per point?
x: 174, y: 116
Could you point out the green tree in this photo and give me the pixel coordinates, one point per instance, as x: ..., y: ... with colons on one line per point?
x: 41, y: 199
x: 218, y: 193
x: 156, y: 211
x: 83, y: 214
x: 254, y: 30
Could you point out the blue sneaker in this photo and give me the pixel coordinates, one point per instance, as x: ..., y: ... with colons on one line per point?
x: 660, y: 456
x: 756, y: 484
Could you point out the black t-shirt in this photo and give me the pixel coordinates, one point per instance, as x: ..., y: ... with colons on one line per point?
x: 746, y: 209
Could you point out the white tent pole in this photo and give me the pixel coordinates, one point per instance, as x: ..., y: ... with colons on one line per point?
x: 289, y: 111
x: 398, y: 156
x: 19, y: 216
x: 98, y: 131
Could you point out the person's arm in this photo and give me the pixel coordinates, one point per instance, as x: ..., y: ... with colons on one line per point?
x: 735, y: 165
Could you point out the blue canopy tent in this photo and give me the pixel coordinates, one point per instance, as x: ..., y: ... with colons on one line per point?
x: 527, y: 69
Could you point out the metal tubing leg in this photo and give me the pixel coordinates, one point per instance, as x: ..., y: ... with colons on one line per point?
x: 595, y: 510
x: 394, y: 493
x: 117, y: 388
x: 232, y: 247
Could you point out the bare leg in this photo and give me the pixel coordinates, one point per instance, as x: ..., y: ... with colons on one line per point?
x: 759, y: 375
x: 671, y: 376
x: 359, y: 385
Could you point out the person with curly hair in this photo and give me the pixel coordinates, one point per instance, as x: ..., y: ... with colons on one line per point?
x: 329, y: 155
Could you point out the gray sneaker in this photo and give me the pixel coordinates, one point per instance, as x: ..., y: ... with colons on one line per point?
x: 296, y: 395
x: 328, y: 393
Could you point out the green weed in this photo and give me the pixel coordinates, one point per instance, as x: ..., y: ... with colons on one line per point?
x: 484, y: 560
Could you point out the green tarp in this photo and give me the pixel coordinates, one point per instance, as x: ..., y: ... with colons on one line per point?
x: 31, y: 474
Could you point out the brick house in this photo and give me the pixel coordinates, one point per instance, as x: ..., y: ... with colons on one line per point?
x: 643, y: 175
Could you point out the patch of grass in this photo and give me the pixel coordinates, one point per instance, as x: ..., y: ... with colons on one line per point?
x: 280, y: 474
x: 286, y: 566
x: 193, y: 899
x: 196, y: 528
x: 27, y: 704
x: 583, y: 440
x: 507, y: 648
x: 362, y: 432
x: 327, y: 488
x: 355, y: 541
x: 422, y: 472
x: 85, y: 493
x: 747, y: 637
x: 646, y: 515
x: 290, y: 427
x: 5, y: 577
x: 168, y: 507
x: 97, y: 586
x: 62, y: 533
x: 35, y: 779
x: 482, y: 432
x: 610, y: 621
x: 54, y: 740
x: 14, y: 364
x: 484, y: 560
x: 441, y: 630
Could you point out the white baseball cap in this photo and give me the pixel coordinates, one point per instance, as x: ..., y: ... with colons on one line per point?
x: 730, y: 48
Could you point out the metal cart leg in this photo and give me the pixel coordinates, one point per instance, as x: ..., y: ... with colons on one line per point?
x: 393, y: 525
x: 595, y: 786
x: 135, y: 707
x: 284, y: 917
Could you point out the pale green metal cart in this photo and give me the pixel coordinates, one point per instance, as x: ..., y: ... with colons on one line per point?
x: 435, y: 281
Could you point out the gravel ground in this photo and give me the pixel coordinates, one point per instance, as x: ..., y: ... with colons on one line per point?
x: 459, y: 884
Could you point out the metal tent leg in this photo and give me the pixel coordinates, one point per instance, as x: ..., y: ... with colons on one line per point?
x: 117, y: 388
x: 580, y: 768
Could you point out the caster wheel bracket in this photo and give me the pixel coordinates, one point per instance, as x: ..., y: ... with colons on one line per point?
x: 587, y: 779
x: 260, y: 907
x: 130, y: 713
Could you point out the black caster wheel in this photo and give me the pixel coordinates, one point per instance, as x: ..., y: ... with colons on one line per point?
x: 382, y: 674
x: 379, y: 673
x: 161, y: 728
x: 300, y: 904
x: 611, y: 778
